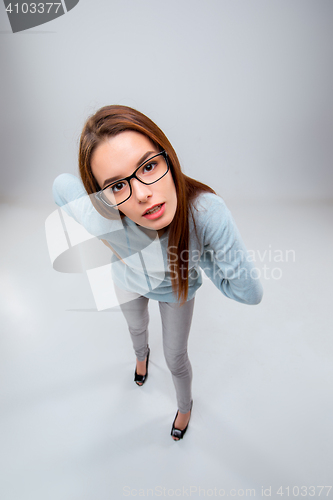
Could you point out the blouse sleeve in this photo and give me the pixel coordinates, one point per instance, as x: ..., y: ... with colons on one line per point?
x: 224, y: 258
x: 69, y: 194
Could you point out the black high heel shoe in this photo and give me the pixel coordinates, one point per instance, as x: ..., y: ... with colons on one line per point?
x: 177, y: 433
x: 142, y: 378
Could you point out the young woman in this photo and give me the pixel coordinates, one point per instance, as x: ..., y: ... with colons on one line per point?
x: 137, y: 196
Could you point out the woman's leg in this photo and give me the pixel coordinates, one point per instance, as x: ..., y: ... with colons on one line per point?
x: 176, y: 324
x: 137, y: 318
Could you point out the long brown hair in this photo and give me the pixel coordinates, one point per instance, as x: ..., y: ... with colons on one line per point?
x: 112, y: 120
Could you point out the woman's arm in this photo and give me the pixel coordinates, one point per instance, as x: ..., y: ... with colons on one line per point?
x: 225, y: 259
x: 70, y: 195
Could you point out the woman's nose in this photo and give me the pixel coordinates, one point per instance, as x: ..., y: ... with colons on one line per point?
x: 141, y: 191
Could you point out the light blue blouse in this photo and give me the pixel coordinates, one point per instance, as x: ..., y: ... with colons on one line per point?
x: 140, y: 262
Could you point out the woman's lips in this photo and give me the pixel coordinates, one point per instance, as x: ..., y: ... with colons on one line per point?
x: 156, y: 215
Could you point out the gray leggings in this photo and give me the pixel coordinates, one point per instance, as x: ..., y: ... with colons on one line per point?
x: 176, y: 323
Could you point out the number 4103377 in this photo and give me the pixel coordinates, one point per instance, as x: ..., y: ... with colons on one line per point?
x: 33, y: 8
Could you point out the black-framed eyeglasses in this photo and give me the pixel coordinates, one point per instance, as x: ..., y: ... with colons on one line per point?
x: 149, y: 172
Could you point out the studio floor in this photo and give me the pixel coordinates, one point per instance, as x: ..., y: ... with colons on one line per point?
x: 74, y: 426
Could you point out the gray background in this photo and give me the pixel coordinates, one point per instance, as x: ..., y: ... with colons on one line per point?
x: 243, y: 89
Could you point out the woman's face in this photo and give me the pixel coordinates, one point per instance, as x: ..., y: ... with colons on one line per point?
x: 118, y: 157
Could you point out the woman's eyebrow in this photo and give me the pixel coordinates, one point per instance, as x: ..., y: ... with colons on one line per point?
x: 117, y: 177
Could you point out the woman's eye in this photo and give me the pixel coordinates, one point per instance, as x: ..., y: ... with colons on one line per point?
x: 117, y: 187
x: 149, y: 167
